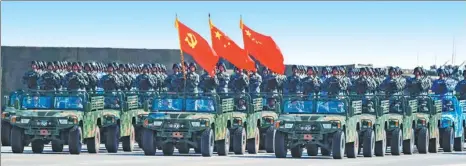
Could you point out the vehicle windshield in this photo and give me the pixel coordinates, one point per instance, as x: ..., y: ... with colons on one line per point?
x: 69, y: 102
x: 112, y: 102
x: 200, y: 105
x: 13, y: 97
x: 167, y: 104
x: 331, y: 107
x: 36, y: 102
x: 297, y: 106
x: 241, y: 105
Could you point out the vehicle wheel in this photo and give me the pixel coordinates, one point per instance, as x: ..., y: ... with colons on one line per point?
x: 147, y: 140
x: 338, y: 148
x: 325, y: 152
x: 198, y: 149
x: 138, y: 138
x: 296, y: 152
x: 269, y: 139
x: 253, y: 144
x: 168, y: 149
x: 74, y: 141
x: 381, y: 146
x: 368, y: 143
x: 37, y: 146
x: 128, y: 141
x: 207, y: 143
x: 93, y: 144
x: 280, y: 145
x: 396, y: 142
x: 57, y: 146
x: 353, y: 147
x: 434, y: 143
x: 6, y: 134
x: 112, y: 139
x: 17, y: 140
x: 223, y: 146
x: 183, y: 148
x: 239, y: 141
x: 408, y: 145
x: 458, y: 145
x: 423, y: 140
x: 312, y: 149
x: 447, y: 139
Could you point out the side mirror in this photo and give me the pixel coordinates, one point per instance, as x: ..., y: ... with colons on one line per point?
x: 17, y: 106
x: 5, y: 101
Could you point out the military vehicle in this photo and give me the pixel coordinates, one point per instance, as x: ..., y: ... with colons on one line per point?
x: 64, y: 118
x: 401, y: 124
x: 427, y: 121
x: 187, y: 121
x: 451, y: 124
x: 330, y: 123
x: 9, y: 108
x: 268, y: 115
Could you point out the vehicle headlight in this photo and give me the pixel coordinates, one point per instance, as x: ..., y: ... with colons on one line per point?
x: 327, y: 125
x: 237, y: 121
x: 157, y: 123
x: 195, y: 124
x: 288, y: 125
x: 174, y: 125
x: 394, y: 123
x: 4, y: 115
x: 336, y: 124
x: 25, y: 120
x: 204, y: 122
x: 63, y: 121
x: 367, y: 123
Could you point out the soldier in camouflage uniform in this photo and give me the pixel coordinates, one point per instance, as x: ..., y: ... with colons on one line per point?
x: 110, y: 81
x: 312, y: 83
x: 163, y: 80
x: 325, y: 73
x: 75, y: 79
x: 336, y: 84
x: 223, y: 78
x: 175, y: 81
x: 293, y: 82
x: 208, y: 84
x: 145, y: 81
x: 31, y: 78
x: 192, y: 79
x: 90, y: 76
x: 273, y: 82
x: 255, y: 82
x: 461, y: 87
x: 444, y: 85
x: 50, y: 79
x: 239, y: 82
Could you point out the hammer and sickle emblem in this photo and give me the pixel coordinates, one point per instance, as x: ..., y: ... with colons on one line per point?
x: 191, y: 40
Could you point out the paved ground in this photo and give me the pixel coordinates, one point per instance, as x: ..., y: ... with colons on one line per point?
x: 137, y: 158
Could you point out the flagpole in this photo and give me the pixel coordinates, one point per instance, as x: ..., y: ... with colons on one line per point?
x: 181, y: 53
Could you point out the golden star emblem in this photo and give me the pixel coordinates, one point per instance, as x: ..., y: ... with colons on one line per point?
x: 248, y: 33
x: 218, y: 35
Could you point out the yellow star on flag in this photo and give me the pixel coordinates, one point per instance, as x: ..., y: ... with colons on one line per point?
x: 218, y: 35
x: 248, y: 33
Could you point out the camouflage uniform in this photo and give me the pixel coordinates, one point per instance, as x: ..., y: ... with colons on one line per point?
x: 110, y: 81
x: 336, y: 84
x: 208, y: 84
x: 49, y: 80
x: 144, y: 81
x: 444, y: 85
x: 239, y: 82
x: 461, y: 87
x: 293, y: 82
x: 31, y: 78
x: 75, y: 80
x: 255, y: 82
x: 223, y: 78
x: 91, y: 77
x: 192, y: 79
x: 175, y: 81
x: 311, y: 84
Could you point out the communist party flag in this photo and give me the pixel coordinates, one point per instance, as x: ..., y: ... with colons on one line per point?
x: 195, y: 45
x: 228, y: 49
x: 263, y: 48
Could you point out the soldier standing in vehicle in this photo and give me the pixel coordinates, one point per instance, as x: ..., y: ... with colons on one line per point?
x: 175, y: 81
x: 223, y: 78
x: 461, y: 87
x: 336, y: 84
x: 192, y: 79
x: 255, y: 82
x: 208, y: 84
x: 110, y: 81
x: 444, y: 85
x: 312, y: 83
x: 239, y: 82
x: 293, y: 82
x: 164, y: 77
x: 144, y: 81
x: 91, y: 77
x: 31, y: 78
x: 75, y: 80
x: 50, y: 79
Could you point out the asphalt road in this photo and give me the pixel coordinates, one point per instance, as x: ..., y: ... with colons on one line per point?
x: 49, y: 158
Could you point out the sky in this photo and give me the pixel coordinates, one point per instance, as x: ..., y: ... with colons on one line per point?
x: 404, y: 34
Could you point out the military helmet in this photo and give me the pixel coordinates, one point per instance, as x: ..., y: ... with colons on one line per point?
x: 294, y: 67
x: 221, y: 64
x: 50, y: 64
x: 192, y: 64
x: 176, y: 65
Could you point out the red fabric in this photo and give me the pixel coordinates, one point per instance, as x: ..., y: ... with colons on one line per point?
x: 228, y: 49
x: 195, y: 45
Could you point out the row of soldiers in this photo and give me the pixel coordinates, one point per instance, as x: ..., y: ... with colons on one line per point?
x: 306, y: 80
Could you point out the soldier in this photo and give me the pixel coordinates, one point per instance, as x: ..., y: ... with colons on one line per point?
x: 393, y: 84
x: 175, y: 81
x: 208, y: 84
x: 312, y: 83
x: 273, y: 82
x: 223, y: 78
x: 110, y: 81
x: 239, y: 82
x: 325, y: 73
x: 192, y: 79
x: 31, y: 78
x: 75, y: 80
x: 419, y: 84
x: 336, y: 84
x: 90, y: 76
x: 144, y: 81
x: 164, y: 77
x: 50, y: 79
x: 293, y: 82
x: 443, y: 85
x: 264, y: 74
x: 461, y: 87
x: 255, y: 82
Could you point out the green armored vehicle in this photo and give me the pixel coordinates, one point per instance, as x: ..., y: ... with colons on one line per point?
x: 64, y: 118
x: 329, y: 123
x: 428, y: 115
x: 9, y: 108
x: 187, y: 121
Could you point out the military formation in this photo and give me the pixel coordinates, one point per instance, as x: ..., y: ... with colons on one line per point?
x: 335, y: 109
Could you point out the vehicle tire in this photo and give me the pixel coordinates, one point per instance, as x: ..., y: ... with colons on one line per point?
x: 138, y: 131
x: 168, y: 149
x: 338, y: 148
x: 408, y: 145
x: 93, y: 144
x: 396, y: 142
x: 296, y: 152
x: 17, y: 140
x: 381, y: 146
x: 74, y: 141
x: 147, y: 140
x: 269, y: 139
x: 368, y: 143
x: 434, y: 144
x: 253, y: 144
x: 312, y: 149
x: 223, y: 146
x: 128, y: 141
x: 423, y: 140
x: 112, y: 139
x: 183, y: 148
x: 458, y: 144
x: 239, y: 141
x: 207, y: 143
x: 57, y: 146
x: 352, y: 148
x: 37, y: 146
x: 280, y: 145
x: 448, y: 139
x: 6, y: 134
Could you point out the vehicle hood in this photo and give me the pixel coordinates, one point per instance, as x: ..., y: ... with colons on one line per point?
x: 50, y: 113
x: 181, y: 115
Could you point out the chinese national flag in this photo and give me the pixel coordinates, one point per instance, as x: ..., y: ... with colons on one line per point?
x: 228, y: 49
x: 195, y: 45
x: 263, y: 48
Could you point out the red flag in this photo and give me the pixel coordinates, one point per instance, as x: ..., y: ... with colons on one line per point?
x: 228, y: 49
x: 195, y: 45
x: 263, y: 48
